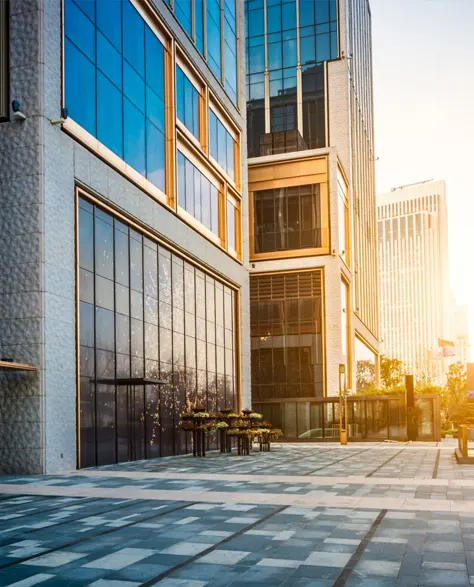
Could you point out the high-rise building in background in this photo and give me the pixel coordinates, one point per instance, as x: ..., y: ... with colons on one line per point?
x: 123, y: 258
x: 415, y: 297
x: 312, y: 206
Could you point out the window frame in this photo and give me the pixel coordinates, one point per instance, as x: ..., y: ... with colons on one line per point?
x: 205, y: 169
x: 71, y: 127
x: 233, y: 199
x: 343, y: 187
x: 234, y: 132
x: 196, y: 80
x: 297, y: 172
x: 177, y: 136
x: 146, y: 232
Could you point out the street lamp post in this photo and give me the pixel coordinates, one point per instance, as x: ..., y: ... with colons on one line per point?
x: 343, y: 404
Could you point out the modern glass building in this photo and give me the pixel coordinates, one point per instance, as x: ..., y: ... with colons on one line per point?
x: 123, y: 197
x: 313, y: 251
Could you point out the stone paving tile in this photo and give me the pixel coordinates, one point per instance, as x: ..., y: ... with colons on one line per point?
x: 50, y: 541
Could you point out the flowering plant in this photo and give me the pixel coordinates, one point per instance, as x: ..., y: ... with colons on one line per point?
x: 255, y: 416
x: 201, y: 415
x: 221, y: 425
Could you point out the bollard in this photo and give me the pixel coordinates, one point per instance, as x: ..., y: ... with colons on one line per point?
x: 462, y: 440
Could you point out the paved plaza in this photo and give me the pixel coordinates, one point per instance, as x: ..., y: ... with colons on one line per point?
x: 304, y: 514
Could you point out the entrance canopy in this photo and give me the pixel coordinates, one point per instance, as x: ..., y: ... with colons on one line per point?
x: 10, y: 366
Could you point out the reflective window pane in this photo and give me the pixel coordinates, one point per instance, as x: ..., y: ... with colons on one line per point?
x: 114, y: 80
x: 173, y: 323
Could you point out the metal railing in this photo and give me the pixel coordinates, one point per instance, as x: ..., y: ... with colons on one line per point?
x: 373, y: 418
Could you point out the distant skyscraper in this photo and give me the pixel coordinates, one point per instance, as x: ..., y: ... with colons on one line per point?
x: 415, y: 300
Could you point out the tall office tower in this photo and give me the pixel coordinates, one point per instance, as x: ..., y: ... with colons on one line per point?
x: 123, y: 276
x: 313, y: 283
x: 415, y: 297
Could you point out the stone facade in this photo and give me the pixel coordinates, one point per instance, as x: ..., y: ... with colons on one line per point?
x: 40, y: 165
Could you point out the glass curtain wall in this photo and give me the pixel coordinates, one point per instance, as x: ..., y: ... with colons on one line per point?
x: 287, y: 218
x: 286, y: 330
x: 280, y: 36
x: 146, y: 312
x: 114, y: 79
x: 221, y: 40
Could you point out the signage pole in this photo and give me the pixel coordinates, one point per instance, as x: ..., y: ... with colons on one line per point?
x: 342, y: 404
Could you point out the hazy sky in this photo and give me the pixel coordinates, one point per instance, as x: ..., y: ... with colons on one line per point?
x: 424, y: 113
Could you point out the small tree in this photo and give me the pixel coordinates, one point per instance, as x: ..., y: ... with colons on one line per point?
x: 455, y: 401
x: 391, y: 372
x: 365, y: 374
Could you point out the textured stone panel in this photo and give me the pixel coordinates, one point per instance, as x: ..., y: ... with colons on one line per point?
x: 16, y: 249
x: 16, y: 220
x: 60, y: 308
x: 99, y: 177
x: 21, y: 305
x: 82, y: 164
x: 21, y: 190
x: 20, y: 331
x: 25, y: 38
x: 20, y: 461
x: 23, y: 353
x: 60, y: 281
x: 59, y: 167
x: 20, y: 384
x: 21, y: 410
x: 25, y: 435
x: 22, y: 277
x: 19, y: 6
x: 52, y: 94
x: 17, y: 134
x: 24, y: 87
x: 20, y: 162
x: 59, y: 459
x: 58, y: 251
x: 60, y: 357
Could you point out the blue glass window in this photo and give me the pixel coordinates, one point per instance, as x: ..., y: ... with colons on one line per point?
x: 187, y: 102
x: 197, y: 195
x: 155, y: 155
x: 183, y: 14
x: 199, y: 24
x: 230, y: 49
x: 222, y: 145
x: 114, y: 79
x: 134, y: 86
x: 80, y: 30
x: 134, y: 38
x: 221, y: 37
x: 214, y: 37
x: 80, y: 88
x: 109, y: 60
x: 109, y: 115
x: 134, y: 137
x: 109, y: 21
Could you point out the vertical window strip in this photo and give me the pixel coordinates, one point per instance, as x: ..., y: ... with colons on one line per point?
x: 222, y: 145
x: 197, y: 195
x: 187, y: 102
